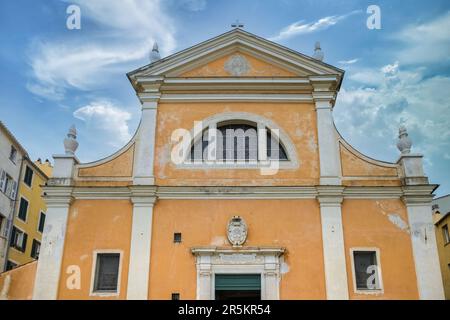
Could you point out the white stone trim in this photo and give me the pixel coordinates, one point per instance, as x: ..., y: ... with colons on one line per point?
x: 378, y: 291
x: 248, y: 42
x: 145, y: 146
x: 95, y: 254
x: 425, y: 254
x: 233, y: 192
x: 243, y: 260
x: 333, y: 247
x: 234, y: 97
x: 52, y: 245
x: 140, y: 249
x: 330, y: 160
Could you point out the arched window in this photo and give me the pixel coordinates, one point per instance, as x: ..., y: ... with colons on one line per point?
x: 238, y: 141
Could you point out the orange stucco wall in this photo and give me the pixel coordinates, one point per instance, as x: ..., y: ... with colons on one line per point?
x: 121, y: 166
x: 257, y: 68
x: 22, y: 282
x: 366, y: 224
x: 297, y: 120
x: 292, y: 224
x: 352, y: 165
x: 203, y: 223
x: 95, y: 225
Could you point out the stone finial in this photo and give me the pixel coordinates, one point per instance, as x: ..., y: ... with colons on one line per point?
x: 318, y: 53
x: 71, y: 143
x: 404, y: 142
x: 154, y: 55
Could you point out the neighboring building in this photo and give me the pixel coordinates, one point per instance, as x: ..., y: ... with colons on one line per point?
x: 25, y: 239
x: 294, y: 211
x: 441, y: 210
x: 11, y: 156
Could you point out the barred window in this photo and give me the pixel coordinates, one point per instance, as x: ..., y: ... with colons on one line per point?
x: 238, y: 142
x: 107, y: 272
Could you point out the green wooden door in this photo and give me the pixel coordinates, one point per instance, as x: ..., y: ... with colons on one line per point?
x: 238, y: 282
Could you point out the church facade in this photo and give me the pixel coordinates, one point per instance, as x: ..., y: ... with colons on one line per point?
x: 238, y: 185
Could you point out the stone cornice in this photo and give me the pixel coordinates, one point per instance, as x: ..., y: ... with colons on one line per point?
x: 325, y: 194
x: 58, y: 196
x: 289, y: 89
x: 418, y: 194
x: 206, y: 251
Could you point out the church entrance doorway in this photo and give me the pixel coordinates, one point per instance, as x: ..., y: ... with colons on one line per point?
x: 237, y: 286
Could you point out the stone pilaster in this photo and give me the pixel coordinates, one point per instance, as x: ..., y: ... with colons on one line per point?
x: 330, y: 168
x: 143, y: 200
x: 52, y: 247
x: 330, y: 199
x: 418, y: 204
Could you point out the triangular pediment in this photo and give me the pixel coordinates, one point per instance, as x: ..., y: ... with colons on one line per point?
x: 237, y: 53
x: 237, y: 63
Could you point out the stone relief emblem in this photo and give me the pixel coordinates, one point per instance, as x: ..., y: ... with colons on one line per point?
x: 237, y: 65
x: 237, y: 231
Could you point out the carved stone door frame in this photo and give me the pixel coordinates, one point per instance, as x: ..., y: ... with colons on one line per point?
x: 238, y: 260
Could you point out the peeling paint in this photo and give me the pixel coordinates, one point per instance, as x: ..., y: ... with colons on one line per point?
x: 284, y: 268
x: 398, y: 221
x: 219, y: 241
x: 84, y: 257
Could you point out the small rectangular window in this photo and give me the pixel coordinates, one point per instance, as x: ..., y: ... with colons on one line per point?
x: 18, y: 239
x: 23, y: 209
x: 446, y: 234
x: 177, y: 237
x: 41, y: 222
x: 366, y: 270
x: 175, y: 296
x: 107, y: 272
x: 36, y: 247
x: 13, y: 154
x: 28, y: 178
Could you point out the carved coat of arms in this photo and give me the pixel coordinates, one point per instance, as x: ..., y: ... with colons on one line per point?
x: 237, y: 231
x: 237, y: 65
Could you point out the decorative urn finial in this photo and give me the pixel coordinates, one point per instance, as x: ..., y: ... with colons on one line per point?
x: 404, y: 142
x: 318, y: 53
x: 71, y: 143
x: 154, y: 55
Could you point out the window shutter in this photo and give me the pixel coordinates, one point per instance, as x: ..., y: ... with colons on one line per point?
x: 2, y: 180
x: 24, y: 242
x: 13, y: 237
x: 14, y: 190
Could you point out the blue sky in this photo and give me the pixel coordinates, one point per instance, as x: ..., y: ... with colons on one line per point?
x: 52, y: 77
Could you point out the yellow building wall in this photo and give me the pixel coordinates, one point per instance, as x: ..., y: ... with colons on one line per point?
x: 36, y: 205
x: 374, y: 224
x: 444, y: 255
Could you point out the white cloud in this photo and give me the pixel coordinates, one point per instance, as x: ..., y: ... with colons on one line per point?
x: 347, y: 62
x: 425, y: 42
x: 106, y: 119
x: 125, y: 32
x: 300, y: 27
x: 371, y: 111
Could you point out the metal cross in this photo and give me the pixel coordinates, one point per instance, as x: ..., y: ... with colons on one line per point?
x: 237, y: 24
